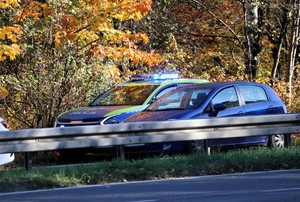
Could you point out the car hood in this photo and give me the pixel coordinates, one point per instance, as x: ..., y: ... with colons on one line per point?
x: 89, y: 113
x: 158, y: 115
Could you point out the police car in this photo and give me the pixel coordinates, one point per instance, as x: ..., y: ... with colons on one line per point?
x: 126, y: 98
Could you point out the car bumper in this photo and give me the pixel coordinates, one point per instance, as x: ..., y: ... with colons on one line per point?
x: 6, y: 158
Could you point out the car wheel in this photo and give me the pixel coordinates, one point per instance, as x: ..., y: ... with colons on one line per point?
x: 279, y: 141
x: 196, y: 146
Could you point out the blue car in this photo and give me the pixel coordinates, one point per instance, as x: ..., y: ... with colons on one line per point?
x: 207, y: 100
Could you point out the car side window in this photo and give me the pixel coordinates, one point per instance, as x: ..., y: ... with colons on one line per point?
x: 172, y: 101
x: 253, y: 94
x: 228, y: 97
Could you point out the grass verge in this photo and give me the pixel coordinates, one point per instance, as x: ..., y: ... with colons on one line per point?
x: 255, y: 159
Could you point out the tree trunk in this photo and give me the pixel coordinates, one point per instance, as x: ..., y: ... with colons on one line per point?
x: 255, y: 11
x: 294, y: 42
x: 284, y: 21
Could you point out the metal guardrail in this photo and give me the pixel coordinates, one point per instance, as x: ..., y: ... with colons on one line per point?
x: 43, y: 139
x: 29, y: 140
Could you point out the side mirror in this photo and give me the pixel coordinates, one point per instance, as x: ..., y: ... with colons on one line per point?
x: 219, y: 107
x: 216, y: 108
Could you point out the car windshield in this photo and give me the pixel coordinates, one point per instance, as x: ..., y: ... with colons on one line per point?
x: 125, y: 95
x: 180, y: 99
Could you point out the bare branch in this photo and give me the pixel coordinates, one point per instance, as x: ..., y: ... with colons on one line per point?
x: 220, y: 20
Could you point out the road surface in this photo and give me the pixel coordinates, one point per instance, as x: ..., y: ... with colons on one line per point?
x: 273, y: 186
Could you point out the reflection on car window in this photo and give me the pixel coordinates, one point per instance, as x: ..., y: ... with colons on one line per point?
x: 228, y: 97
x: 125, y: 95
x: 164, y: 91
x: 253, y: 94
x: 180, y: 98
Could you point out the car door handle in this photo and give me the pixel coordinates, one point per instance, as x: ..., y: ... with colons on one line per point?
x: 241, y: 113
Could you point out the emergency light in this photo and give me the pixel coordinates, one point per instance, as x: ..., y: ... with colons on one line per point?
x: 159, y: 76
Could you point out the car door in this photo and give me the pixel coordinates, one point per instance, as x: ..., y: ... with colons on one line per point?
x: 228, y: 97
x: 257, y: 102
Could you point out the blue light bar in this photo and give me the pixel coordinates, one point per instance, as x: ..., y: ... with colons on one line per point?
x: 160, y: 76
x: 165, y: 76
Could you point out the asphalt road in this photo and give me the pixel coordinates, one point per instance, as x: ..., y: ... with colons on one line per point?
x: 273, y: 186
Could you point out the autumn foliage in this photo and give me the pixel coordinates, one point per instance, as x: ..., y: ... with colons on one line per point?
x: 87, y: 24
x: 90, y: 26
x: 9, y: 32
x: 69, y: 51
x: 57, y: 55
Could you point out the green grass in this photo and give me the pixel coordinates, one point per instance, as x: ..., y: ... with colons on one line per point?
x: 234, y: 161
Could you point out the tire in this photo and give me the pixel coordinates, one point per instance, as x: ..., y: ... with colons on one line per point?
x: 279, y: 141
x: 196, y: 147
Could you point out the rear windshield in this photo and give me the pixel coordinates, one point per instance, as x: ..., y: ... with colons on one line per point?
x: 125, y: 95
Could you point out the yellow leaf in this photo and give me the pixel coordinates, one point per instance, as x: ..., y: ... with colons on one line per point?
x: 14, y: 50
x: 3, y: 93
x: 8, y: 4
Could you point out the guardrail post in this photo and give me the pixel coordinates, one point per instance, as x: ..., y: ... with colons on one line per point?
x: 206, y: 142
x: 28, y: 160
x: 120, y: 151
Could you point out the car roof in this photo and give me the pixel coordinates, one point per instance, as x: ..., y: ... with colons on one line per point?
x: 226, y: 83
